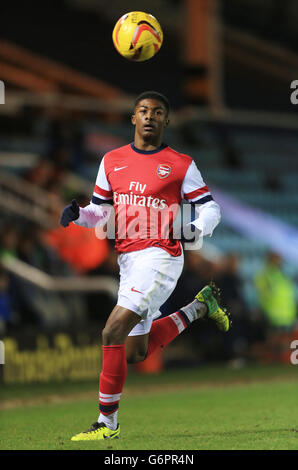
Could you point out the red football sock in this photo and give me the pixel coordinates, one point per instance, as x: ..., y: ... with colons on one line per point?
x: 164, y: 330
x: 112, y: 377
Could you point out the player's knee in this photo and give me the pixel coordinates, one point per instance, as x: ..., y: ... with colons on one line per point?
x: 113, y: 333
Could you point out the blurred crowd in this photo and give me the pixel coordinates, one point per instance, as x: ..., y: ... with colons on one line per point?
x: 274, y: 312
x: 56, y: 252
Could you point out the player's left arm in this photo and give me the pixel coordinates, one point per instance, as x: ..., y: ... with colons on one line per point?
x: 196, y: 192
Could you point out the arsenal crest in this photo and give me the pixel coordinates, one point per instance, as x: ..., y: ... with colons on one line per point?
x: 163, y: 171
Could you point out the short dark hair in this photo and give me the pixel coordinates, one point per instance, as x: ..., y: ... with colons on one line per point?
x: 155, y: 95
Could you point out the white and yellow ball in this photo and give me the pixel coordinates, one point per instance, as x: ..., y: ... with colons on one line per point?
x: 137, y: 36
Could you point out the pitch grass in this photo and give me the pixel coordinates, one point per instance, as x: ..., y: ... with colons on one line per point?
x: 209, y: 409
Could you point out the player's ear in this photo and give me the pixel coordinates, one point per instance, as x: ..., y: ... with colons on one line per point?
x: 167, y: 122
x: 133, y: 119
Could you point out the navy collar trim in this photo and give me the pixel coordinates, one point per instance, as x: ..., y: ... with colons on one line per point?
x: 148, y: 152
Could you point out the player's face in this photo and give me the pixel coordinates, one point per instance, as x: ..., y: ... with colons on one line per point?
x: 150, y: 119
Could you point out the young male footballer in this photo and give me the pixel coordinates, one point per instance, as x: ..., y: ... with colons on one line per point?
x: 141, y: 179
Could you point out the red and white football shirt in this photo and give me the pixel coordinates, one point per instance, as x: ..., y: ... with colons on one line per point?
x: 145, y: 186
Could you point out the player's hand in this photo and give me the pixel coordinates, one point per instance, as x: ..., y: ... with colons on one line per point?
x: 70, y: 213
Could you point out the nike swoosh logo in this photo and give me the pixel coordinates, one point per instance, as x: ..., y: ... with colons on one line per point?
x: 110, y: 436
x: 121, y: 168
x: 134, y: 290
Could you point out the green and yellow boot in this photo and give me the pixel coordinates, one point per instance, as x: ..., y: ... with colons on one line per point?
x: 209, y: 296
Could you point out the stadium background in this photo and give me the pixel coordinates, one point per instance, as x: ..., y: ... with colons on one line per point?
x: 226, y: 67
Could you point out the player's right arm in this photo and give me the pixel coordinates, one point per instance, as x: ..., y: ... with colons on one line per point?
x: 99, y: 209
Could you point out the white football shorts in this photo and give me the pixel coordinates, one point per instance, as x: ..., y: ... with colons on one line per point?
x: 147, y: 279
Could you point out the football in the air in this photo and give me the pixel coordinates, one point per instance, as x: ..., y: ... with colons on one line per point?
x: 137, y: 36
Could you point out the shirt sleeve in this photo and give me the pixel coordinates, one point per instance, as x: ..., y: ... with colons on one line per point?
x: 209, y: 217
x: 102, y: 189
x: 93, y: 215
x: 99, y: 210
x: 196, y: 192
x: 194, y: 188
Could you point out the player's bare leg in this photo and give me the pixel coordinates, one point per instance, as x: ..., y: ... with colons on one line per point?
x: 120, y: 322
x: 136, y: 348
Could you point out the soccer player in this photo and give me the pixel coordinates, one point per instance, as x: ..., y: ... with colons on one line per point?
x: 141, y: 179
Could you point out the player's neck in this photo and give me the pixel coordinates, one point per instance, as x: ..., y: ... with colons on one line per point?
x: 151, y: 144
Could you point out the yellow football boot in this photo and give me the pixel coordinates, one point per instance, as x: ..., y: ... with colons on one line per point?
x: 97, y: 432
